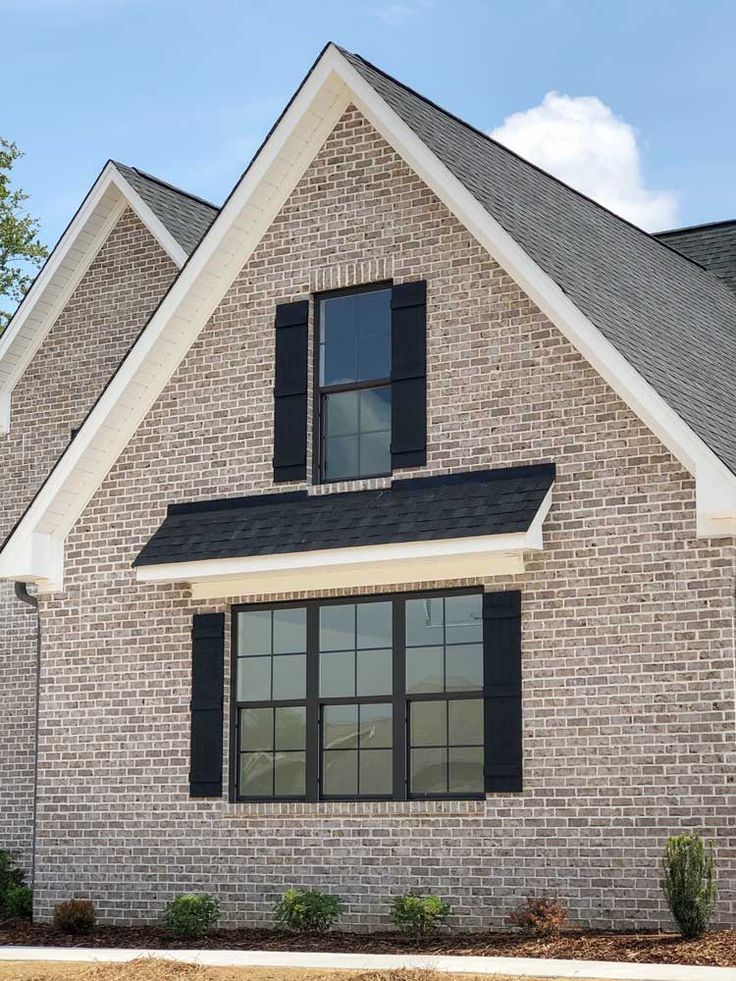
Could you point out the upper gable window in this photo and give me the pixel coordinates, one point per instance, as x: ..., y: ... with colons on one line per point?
x: 355, y: 384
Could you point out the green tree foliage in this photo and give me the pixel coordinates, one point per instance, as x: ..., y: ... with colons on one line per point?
x: 20, y: 249
x: 689, y: 883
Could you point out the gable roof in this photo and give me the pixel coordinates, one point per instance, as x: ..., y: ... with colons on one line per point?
x: 712, y: 246
x: 671, y: 319
x: 175, y: 219
x: 591, y: 306
x: 185, y: 215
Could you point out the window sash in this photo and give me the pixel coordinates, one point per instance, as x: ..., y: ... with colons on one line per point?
x: 399, y: 699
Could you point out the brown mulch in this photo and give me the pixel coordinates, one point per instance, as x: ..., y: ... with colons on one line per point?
x: 717, y: 948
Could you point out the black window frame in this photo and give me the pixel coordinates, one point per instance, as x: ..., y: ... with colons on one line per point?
x: 398, y: 698
x: 321, y: 390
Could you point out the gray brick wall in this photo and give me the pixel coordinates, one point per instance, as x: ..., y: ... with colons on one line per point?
x: 627, y: 619
x: 70, y: 369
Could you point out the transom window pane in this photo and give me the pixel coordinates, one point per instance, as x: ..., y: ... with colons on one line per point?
x: 369, y: 698
x: 354, y: 376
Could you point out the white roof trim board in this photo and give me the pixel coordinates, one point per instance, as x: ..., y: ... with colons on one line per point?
x: 62, y: 273
x: 34, y: 551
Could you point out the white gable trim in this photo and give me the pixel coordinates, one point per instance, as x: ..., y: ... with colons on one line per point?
x: 247, y: 215
x: 65, y: 268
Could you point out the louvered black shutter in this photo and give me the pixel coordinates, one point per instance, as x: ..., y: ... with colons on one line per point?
x: 408, y: 375
x: 208, y: 666
x: 290, y: 392
x: 502, y: 662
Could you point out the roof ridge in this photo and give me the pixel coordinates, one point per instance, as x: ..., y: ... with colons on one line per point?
x: 168, y: 185
x: 695, y: 228
x: 529, y: 163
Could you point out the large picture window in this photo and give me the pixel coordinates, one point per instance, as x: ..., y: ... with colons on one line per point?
x: 375, y: 698
x: 354, y: 398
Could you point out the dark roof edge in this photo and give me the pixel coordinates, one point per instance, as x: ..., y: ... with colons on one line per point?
x: 541, y: 470
x: 168, y: 185
x: 529, y: 163
x: 696, y: 228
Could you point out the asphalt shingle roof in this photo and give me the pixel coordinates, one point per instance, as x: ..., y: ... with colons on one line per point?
x: 713, y: 246
x: 674, y: 321
x: 187, y: 217
x: 489, y: 502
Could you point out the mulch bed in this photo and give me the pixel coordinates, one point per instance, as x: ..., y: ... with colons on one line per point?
x: 717, y: 948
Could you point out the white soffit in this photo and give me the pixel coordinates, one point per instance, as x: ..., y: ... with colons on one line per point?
x: 307, y: 122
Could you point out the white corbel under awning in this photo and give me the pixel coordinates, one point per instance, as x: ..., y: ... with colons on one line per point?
x: 440, y: 560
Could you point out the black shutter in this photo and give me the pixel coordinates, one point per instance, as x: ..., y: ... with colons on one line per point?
x: 502, y: 657
x: 208, y: 667
x: 408, y: 375
x: 290, y: 392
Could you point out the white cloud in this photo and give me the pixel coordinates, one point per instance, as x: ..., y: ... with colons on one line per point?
x: 581, y: 141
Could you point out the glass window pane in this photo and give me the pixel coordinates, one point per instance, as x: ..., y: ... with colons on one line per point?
x: 375, y: 454
x: 341, y: 414
x: 340, y: 772
x: 424, y: 622
x: 341, y: 458
x: 466, y: 722
x: 289, y: 774
x: 290, y: 727
x: 466, y: 770
x: 339, y: 340
x: 256, y: 775
x: 290, y: 631
x: 374, y: 625
x: 254, y: 632
x: 376, y: 726
x: 340, y: 726
x: 375, y: 410
x: 289, y: 676
x: 337, y: 675
x: 374, y: 334
x: 464, y: 667
x: 256, y: 728
x: 337, y: 627
x: 376, y: 772
x: 375, y: 673
x: 464, y: 619
x: 428, y: 771
x: 254, y: 679
x: 428, y: 723
x: 424, y: 669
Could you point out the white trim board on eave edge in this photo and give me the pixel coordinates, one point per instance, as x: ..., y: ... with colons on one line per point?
x: 74, y: 253
x: 332, y: 84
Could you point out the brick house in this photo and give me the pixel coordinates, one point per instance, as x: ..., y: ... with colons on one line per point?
x: 374, y: 531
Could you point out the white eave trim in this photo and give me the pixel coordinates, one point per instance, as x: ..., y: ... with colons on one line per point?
x: 65, y: 268
x: 236, y: 231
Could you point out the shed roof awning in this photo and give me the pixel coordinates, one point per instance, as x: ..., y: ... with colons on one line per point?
x: 428, y: 529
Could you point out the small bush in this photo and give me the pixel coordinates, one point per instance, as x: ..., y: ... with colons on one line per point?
x: 191, y: 916
x: 541, y: 916
x: 75, y: 916
x: 689, y: 883
x: 11, y: 879
x: 418, y: 915
x: 307, y: 911
x: 18, y: 902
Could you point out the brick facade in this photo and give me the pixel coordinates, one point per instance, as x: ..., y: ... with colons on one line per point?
x: 627, y: 619
x: 97, y: 326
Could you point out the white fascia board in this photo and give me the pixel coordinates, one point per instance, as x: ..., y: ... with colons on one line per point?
x: 366, y: 565
x: 154, y: 224
x: 608, y: 361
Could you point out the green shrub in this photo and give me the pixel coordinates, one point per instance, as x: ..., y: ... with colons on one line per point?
x: 541, y: 916
x: 75, y: 916
x: 307, y: 911
x: 689, y: 883
x: 11, y: 878
x: 419, y: 915
x: 18, y: 902
x: 191, y: 916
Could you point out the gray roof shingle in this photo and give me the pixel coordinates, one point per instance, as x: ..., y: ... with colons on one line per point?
x: 674, y: 321
x: 488, y: 502
x: 712, y: 246
x: 187, y: 217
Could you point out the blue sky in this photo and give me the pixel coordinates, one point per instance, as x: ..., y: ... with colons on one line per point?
x: 186, y: 89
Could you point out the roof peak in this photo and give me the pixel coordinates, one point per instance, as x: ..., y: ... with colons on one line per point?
x: 167, y: 184
x: 725, y: 223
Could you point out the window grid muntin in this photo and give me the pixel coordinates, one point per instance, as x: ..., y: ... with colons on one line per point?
x: 400, y: 698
